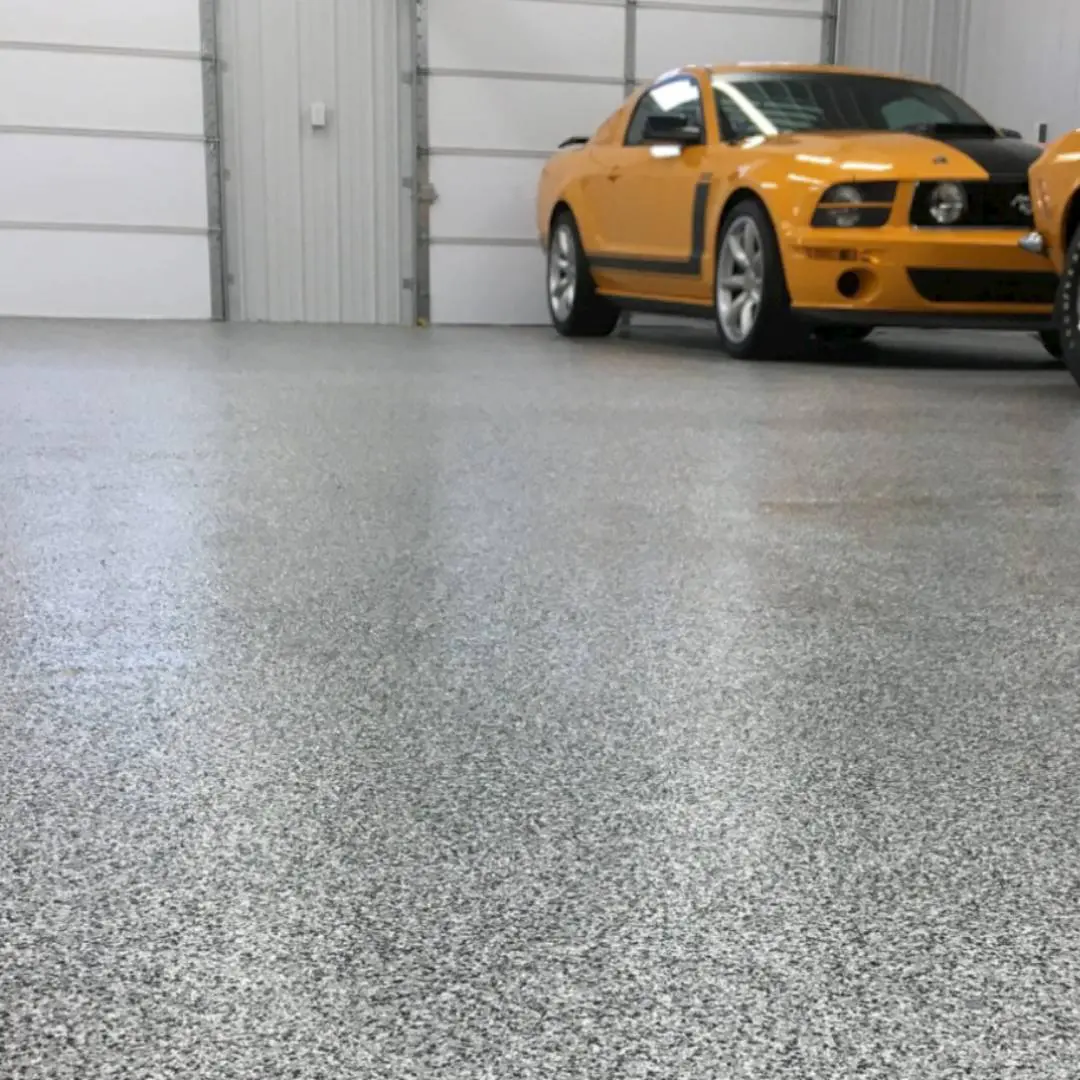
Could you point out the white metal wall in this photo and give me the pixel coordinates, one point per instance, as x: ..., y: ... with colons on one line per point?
x: 319, y: 222
x: 917, y: 37
x: 1017, y: 61
x: 1023, y: 63
x: 103, y: 182
x: 507, y: 80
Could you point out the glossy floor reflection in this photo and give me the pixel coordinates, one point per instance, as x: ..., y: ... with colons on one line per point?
x: 473, y: 704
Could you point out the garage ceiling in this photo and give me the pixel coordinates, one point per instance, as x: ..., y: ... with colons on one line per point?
x: 507, y: 80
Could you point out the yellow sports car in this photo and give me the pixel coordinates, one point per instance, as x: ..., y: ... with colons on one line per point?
x: 784, y: 200
x: 1055, y: 184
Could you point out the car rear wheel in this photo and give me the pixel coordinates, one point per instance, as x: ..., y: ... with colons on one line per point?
x: 1068, y: 308
x: 753, y: 309
x: 576, y: 308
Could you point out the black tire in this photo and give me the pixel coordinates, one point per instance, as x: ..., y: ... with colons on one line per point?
x: 836, y: 335
x: 587, y: 314
x: 774, y: 331
x: 1068, y: 308
x: 1051, y: 342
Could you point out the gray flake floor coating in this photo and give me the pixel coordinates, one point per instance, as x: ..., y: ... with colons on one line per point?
x: 474, y: 704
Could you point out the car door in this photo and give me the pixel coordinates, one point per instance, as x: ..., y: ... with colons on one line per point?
x: 650, y: 200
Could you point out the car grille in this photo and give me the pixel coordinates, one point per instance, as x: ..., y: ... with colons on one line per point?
x: 1000, y: 204
x: 984, y: 286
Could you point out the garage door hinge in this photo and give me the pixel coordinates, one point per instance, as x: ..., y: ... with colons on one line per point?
x: 426, y: 193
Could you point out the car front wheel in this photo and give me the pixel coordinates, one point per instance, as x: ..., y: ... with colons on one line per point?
x: 577, y: 310
x: 753, y: 309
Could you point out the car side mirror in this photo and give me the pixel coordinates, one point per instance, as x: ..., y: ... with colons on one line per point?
x: 672, y: 129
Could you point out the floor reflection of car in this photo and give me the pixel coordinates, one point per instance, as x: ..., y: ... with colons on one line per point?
x: 1055, y: 184
x: 789, y: 202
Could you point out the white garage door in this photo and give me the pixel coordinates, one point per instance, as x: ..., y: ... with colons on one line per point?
x: 103, y: 188
x: 508, y: 80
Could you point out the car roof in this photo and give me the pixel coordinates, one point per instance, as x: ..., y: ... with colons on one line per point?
x: 769, y: 67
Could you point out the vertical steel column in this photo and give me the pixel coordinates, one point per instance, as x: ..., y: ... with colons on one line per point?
x: 831, y: 16
x: 215, y: 190
x: 421, y: 178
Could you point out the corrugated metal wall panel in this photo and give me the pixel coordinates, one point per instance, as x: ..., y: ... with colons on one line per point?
x: 1024, y: 63
x: 1018, y: 63
x: 916, y: 37
x: 316, y: 219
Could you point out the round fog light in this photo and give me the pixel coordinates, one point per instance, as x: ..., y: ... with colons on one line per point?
x: 848, y: 284
x: 948, y: 201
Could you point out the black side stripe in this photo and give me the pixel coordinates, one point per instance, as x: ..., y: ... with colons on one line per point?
x: 691, y: 266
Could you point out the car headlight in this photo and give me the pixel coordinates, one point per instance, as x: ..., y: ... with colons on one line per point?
x: 866, y: 204
x: 844, y: 193
x: 948, y: 203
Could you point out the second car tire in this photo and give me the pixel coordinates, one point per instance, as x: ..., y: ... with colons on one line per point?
x: 1068, y: 308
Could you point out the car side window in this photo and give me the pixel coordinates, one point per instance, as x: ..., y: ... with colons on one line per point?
x: 902, y: 112
x: 675, y: 97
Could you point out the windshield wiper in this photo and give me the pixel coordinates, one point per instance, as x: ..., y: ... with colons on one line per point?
x: 974, y: 130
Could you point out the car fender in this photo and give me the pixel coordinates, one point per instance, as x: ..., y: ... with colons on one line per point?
x: 1055, y: 187
x: 789, y: 197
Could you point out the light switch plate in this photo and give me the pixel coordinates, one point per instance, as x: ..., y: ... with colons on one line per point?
x: 318, y: 114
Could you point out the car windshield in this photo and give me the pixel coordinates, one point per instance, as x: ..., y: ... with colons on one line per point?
x: 767, y: 103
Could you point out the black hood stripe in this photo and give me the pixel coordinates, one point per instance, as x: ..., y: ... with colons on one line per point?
x: 1001, y: 158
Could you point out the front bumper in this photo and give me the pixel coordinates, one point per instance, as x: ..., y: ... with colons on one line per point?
x: 970, y: 278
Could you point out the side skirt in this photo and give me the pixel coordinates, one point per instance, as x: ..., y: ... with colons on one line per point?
x: 646, y: 306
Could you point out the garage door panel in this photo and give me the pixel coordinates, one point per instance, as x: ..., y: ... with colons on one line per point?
x: 492, y: 198
x: 488, y: 285
x: 669, y: 39
x: 125, y: 93
x: 94, y: 181
x: 534, y: 36
x: 162, y: 24
x: 59, y: 275
x: 810, y: 7
x: 510, y: 114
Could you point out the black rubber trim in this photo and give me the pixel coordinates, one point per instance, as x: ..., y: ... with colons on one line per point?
x: 689, y: 267
x: 931, y: 321
x: 984, y: 286
x: 646, y: 306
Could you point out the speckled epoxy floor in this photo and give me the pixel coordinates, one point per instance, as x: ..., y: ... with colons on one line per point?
x: 471, y: 704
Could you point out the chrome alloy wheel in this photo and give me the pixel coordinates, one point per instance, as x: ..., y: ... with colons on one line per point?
x: 740, y: 276
x: 562, y: 272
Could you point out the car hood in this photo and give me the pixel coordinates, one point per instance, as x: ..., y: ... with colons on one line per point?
x: 903, y: 156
